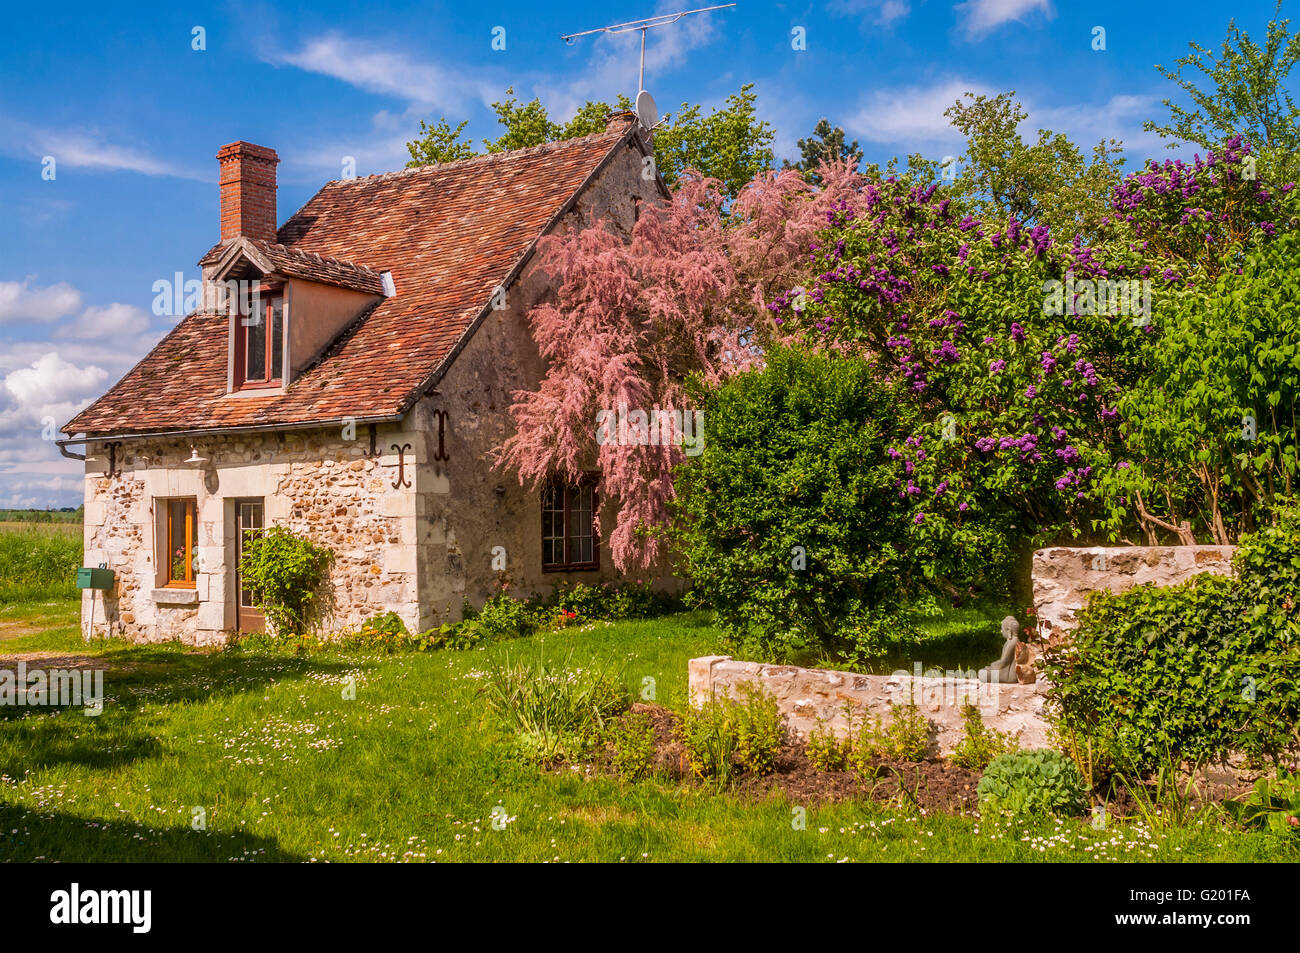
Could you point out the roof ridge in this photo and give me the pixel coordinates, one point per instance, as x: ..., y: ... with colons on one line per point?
x: 486, y: 159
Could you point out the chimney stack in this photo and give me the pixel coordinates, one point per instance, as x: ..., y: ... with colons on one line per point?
x: 620, y: 121
x: 247, y: 191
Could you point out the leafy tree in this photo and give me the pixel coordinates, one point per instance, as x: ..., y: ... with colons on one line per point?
x: 826, y: 142
x: 1246, y: 93
x: 527, y: 124
x: 438, y: 143
x: 1047, y: 182
x: 1211, y: 426
x: 730, y: 144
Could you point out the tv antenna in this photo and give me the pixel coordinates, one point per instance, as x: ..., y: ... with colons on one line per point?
x: 645, y: 102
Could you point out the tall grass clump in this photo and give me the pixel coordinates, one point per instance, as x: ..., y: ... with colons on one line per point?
x: 37, y: 565
x: 556, y: 712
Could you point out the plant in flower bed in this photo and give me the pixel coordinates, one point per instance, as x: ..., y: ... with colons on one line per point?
x: 1032, y: 783
x: 631, y: 739
x: 906, y: 737
x: 1273, y: 805
x: 1189, y: 672
x: 979, y: 744
x: 726, y: 734
x: 502, y: 617
x: 555, y: 711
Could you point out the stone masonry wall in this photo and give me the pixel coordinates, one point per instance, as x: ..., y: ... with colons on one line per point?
x: 1064, y: 577
x: 466, y: 507
x: 320, y: 483
x: 805, y: 695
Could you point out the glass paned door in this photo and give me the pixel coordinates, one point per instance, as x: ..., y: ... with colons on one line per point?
x: 248, y: 514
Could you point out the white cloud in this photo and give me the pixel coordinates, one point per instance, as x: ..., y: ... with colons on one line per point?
x: 51, y: 382
x: 376, y: 68
x: 980, y: 17
x: 883, y: 12
x: 21, y: 302
x: 82, y: 148
x: 1119, y: 117
x: 912, y: 117
x: 614, y: 62
x: 113, y: 321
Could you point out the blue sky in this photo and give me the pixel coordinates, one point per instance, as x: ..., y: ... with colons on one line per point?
x: 132, y: 116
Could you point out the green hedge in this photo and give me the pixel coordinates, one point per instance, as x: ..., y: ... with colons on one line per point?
x: 1193, y: 671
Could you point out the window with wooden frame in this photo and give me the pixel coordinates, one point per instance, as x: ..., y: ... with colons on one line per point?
x: 570, y: 533
x: 180, y: 541
x: 259, y: 341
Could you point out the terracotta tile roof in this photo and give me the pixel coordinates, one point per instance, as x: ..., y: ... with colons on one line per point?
x: 296, y: 263
x: 450, y: 234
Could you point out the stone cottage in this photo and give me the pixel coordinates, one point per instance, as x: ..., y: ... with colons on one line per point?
x: 349, y: 378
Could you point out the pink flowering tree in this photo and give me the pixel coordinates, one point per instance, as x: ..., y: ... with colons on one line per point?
x: 632, y: 321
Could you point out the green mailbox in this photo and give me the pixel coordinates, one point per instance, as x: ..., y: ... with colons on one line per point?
x: 94, y: 578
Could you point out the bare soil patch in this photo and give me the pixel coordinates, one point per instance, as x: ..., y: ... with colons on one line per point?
x: 932, y: 785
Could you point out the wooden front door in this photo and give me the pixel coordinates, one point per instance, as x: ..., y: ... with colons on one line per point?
x: 248, y: 514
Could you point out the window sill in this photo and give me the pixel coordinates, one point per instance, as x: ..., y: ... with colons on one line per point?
x: 176, y: 596
x: 268, y: 390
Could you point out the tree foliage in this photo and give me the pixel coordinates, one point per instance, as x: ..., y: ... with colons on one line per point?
x: 439, y: 143
x: 1242, y: 91
x: 786, y: 521
x: 825, y: 144
x: 729, y: 144
x: 1049, y: 181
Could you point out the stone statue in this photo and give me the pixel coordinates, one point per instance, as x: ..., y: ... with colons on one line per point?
x: 1004, y: 669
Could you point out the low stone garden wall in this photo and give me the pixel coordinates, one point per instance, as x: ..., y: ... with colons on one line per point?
x: 805, y: 695
x: 1064, y: 577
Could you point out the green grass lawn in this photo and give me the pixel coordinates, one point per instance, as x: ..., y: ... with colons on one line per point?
x: 284, y: 767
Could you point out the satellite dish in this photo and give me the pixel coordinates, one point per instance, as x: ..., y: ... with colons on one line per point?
x: 646, y: 110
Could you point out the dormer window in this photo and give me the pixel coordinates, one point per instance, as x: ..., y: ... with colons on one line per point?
x: 259, y: 342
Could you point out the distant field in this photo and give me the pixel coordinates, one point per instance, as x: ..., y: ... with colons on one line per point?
x: 38, y: 561
x: 63, y: 528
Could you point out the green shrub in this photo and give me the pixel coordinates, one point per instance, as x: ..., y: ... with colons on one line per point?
x: 789, y: 520
x: 1193, y: 671
x: 728, y: 732
x: 825, y: 751
x: 555, y: 712
x: 868, y: 745
x: 501, y: 618
x: 907, y: 737
x: 1273, y: 805
x: 1032, y: 784
x: 288, y: 572
x: 611, y: 601
x: 760, y: 730
x: 980, y: 744
x: 632, y: 745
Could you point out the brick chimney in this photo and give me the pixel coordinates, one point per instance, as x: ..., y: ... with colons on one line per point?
x: 620, y: 121
x: 247, y: 191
